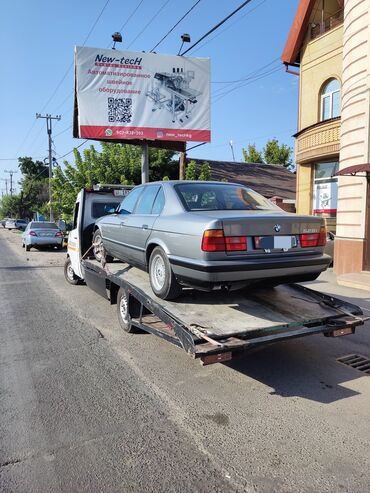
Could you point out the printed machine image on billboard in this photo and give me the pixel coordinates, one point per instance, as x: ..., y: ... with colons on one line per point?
x: 129, y: 95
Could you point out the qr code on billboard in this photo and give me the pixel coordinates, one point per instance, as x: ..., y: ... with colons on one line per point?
x: 119, y: 110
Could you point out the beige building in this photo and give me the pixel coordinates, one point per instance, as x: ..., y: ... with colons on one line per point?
x: 328, y: 47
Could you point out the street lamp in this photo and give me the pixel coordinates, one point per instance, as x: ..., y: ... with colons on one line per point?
x: 232, y: 149
x: 185, y: 39
x: 117, y: 38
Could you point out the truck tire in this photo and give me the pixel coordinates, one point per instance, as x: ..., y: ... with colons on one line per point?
x: 69, y: 274
x: 162, y: 279
x: 123, y: 311
x: 99, y: 250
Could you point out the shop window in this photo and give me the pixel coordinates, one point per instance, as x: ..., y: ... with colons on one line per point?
x: 330, y: 100
x: 325, y: 192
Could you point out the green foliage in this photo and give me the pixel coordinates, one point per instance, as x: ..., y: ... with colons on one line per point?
x: 252, y: 155
x: 10, y: 206
x: 272, y: 153
x: 116, y: 163
x: 193, y: 172
x: 205, y: 172
x: 34, y: 184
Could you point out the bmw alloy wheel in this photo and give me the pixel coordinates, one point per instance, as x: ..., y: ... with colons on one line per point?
x: 158, y: 272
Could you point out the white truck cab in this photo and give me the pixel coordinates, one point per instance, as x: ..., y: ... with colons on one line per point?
x: 91, y: 203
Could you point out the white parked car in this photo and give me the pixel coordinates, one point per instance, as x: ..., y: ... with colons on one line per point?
x: 10, y: 224
x: 39, y: 234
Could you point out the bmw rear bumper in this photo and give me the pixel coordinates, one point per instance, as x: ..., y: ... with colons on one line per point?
x: 236, y: 271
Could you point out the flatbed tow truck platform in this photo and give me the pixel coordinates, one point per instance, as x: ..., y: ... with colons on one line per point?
x: 215, y: 326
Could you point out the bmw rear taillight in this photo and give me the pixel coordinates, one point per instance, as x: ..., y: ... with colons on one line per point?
x: 313, y: 239
x: 214, y: 240
x: 58, y: 233
x: 236, y: 243
x: 309, y: 240
x: 32, y: 233
x: 322, y: 237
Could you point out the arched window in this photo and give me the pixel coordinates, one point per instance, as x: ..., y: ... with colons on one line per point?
x: 330, y: 100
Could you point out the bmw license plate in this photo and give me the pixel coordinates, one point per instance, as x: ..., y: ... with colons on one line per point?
x: 275, y: 242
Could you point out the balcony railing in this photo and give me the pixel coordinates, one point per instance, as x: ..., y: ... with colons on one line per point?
x: 326, y: 25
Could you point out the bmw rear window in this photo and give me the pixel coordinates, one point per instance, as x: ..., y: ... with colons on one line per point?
x: 214, y: 197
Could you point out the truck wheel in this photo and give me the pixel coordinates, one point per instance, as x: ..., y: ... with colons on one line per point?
x: 69, y: 274
x: 99, y: 250
x: 162, y: 279
x: 123, y: 311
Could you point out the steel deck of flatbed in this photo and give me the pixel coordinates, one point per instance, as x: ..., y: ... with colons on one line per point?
x: 218, y: 322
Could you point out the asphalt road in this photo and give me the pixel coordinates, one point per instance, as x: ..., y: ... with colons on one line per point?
x: 85, y: 407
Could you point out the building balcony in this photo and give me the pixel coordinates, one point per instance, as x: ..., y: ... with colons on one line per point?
x: 326, y: 24
x: 318, y: 142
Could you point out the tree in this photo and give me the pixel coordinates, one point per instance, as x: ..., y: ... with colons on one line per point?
x: 10, y: 206
x: 274, y: 153
x: 205, y: 172
x: 252, y: 155
x: 115, y: 163
x: 196, y: 172
x: 34, y: 184
x: 191, y: 171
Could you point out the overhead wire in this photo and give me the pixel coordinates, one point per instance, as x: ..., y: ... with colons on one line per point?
x: 263, y: 75
x: 230, y: 26
x: 213, y: 29
x: 130, y: 16
x: 148, y: 24
x: 63, y: 77
x: 175, y: 25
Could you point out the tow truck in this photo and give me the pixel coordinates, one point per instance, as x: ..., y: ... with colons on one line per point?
x: 213, y: 327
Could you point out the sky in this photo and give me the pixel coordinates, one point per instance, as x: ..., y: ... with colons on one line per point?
x: 38, y: 39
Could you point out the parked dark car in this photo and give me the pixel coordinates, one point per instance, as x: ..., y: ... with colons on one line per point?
x: 21, y: 224
x: 210, y: 235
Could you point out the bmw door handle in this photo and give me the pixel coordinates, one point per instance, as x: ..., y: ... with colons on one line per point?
x: 144, y: 226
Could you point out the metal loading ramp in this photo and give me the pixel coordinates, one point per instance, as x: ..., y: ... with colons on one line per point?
x: 220, y: 315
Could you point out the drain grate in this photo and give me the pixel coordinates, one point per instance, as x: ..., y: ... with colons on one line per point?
x: 357, y: 362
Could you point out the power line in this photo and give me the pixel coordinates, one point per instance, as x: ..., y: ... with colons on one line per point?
x: 64, y: 76
x: 230, y: 26
x: 70, y: 152
x: 130, y: 16
x: 252, y: 79
x: 177, y: 23
x: 245, y: 77
x: 148, y: 24
x: 216, y: 26
x: 71, y: 65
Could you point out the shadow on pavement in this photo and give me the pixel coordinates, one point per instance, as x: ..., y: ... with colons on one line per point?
x: 295, y: 369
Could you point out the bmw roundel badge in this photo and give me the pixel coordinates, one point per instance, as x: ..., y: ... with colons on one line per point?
x: 277, y: 227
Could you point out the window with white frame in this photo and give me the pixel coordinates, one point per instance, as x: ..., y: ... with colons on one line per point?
x: 330, y: 100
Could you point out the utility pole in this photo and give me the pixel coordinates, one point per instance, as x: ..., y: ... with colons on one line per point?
x: 6, y: 185
x: 49, y: 118
x: 11, y: 173
x: 182, y: 166
x: 144, y: 162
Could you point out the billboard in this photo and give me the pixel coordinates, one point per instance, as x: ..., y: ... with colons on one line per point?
x: 123, y: 95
